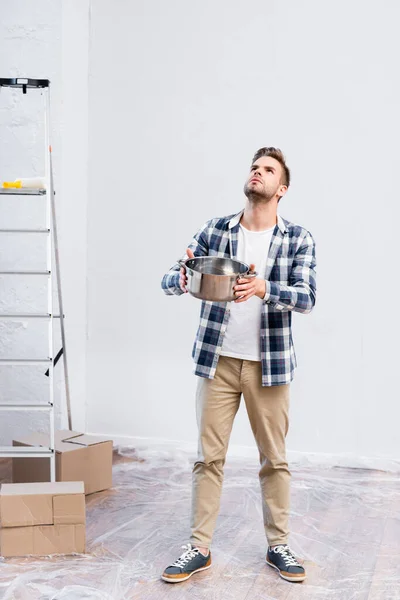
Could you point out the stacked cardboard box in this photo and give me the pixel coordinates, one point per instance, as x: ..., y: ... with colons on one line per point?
x: 42, y: 518
x: 79, y: 457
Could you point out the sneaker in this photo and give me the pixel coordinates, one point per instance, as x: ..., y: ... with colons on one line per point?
x: 190, y: 562
x: 284, y: 561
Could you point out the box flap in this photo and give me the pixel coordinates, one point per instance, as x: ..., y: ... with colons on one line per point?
x: 69, y: 509
x: 43, y: 540
x: 64, y: 435
x: 16, y: 541
x: 86, y: 439
x: 43, y: 439
x: 31, y: 509
x: 34, y: 439
x: 64, y: 440
x: 58, y: 539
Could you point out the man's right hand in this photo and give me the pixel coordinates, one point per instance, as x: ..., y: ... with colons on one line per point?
x: 182, y: 276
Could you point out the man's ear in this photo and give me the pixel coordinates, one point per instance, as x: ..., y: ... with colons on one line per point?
x: 283, y: 189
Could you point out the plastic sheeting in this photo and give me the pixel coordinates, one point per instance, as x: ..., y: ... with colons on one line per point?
x: 345, y: 525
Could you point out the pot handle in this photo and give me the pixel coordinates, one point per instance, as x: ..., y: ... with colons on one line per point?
x: 181, y: 262
x: 248, y: 275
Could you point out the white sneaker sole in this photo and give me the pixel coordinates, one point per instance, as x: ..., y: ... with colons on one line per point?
x: 291, y: 579
x: 184, y: 578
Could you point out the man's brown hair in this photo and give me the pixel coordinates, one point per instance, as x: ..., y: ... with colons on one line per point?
x: 278, y: 155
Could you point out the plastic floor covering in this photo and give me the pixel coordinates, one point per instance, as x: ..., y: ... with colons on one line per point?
x: 345, y: 526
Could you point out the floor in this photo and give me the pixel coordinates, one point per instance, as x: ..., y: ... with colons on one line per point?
x: 345, y: 526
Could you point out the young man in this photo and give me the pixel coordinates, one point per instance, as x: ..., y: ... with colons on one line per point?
x: 246, y: 347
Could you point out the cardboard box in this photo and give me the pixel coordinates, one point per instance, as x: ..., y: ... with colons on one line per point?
x: 79, y: 457
x: 42, y: 518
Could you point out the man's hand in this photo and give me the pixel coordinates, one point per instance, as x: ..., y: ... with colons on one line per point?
x: 246, y: 288
x: 183, y: 277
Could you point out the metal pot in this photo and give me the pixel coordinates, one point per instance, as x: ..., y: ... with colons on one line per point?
x: 213, y: 278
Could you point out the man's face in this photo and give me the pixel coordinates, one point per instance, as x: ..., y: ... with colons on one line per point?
x: 264, y: 180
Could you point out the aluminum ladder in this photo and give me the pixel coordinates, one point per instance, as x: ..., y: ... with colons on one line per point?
x: 50, y: 230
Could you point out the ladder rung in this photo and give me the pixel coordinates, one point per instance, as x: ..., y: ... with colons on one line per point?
x: 26, y: 406
x: 39, y: 230
x: 25, y: 316
x: 24, y: 82
x: 28, y: 316
x: 25, y: 272
x: 25, y: 451
x: 21, y: 192
x: 25, y: 361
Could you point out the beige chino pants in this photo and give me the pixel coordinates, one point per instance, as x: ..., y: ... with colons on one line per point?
x: 217, y: 402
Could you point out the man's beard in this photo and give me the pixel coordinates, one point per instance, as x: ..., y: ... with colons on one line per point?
x: 257, y: 197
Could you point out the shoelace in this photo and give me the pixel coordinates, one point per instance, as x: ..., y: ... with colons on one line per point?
x: 287, y: 555
x: 186, y: 556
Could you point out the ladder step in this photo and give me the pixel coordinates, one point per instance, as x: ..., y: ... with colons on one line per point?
x: 25, y: 272
x: 26, y: 406
x: 40, y: 230
x: 21, y: 192
x: 28, y: 316
x: 21, y: 82
x: 25, y: 361
x: 25, y: 451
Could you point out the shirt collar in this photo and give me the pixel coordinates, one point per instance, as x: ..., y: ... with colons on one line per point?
x: 235, y: 220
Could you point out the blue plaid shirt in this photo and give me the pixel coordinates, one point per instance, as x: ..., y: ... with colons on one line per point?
x: 290, y: 287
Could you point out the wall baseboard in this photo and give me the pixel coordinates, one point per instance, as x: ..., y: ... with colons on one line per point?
x: 154, y: 446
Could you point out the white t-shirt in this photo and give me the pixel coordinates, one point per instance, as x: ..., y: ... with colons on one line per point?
x: 242, y: 336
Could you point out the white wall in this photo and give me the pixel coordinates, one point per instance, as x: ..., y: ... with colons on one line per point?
x: 74, y: 76
x: 181, y: 95
x: 169, y: 101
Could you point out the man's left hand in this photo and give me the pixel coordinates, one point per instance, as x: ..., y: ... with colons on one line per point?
x: 246, y: 288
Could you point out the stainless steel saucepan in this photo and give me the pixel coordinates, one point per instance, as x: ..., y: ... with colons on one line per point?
x: 213, y: 278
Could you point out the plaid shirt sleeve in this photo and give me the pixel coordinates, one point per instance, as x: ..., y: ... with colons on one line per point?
x: 199, y: 246
x: 300, y: 295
